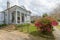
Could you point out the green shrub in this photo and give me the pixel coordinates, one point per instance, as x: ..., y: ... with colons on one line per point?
x: 22, y: 25
x: 44, y: 15
x: 58, y: 20
x: 2, y: 25
x: 32, y: 21
x: 46, y: 24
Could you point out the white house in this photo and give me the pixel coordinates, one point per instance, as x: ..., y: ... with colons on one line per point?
x: 15, y: 15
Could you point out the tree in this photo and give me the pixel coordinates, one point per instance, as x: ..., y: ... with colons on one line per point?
x: 44, y: 15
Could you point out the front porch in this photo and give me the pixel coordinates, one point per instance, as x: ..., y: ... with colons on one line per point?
x: 17, y: 17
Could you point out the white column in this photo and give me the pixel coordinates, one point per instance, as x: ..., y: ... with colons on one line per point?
x: 16, y: 17
x: 7, y: 16
x: 25, y: 18
x: 20, y: 18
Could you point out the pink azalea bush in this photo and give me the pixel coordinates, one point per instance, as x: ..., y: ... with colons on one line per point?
x: 46, y: 24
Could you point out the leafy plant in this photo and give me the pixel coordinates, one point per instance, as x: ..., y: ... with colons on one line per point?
x: 2, y: 25
x: 44, y: 15
x: 46, y: 24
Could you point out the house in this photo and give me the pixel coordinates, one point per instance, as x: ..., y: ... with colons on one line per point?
x: 15, y: 15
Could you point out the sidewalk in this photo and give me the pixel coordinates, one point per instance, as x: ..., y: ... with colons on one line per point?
x: 56, y: 33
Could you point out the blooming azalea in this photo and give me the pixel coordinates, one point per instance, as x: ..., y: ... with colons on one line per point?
x: 46, y: 24
x: 48, y: 29
x: 54, y: 23
x: 38, y: 24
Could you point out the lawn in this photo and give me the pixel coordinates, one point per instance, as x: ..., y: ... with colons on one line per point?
x: 27, y: 28
x: 31, y: 29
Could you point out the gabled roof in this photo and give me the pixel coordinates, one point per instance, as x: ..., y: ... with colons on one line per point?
x: 14, y: 6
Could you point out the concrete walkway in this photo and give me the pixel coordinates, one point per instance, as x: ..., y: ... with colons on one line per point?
x: 56, y: 33
x: 15, y: 35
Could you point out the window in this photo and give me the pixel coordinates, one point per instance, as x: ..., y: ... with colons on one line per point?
x: 13, y: 18
x: 22, y: 17
x: 18, y: 19
x: 18, y: 13
x: 5, y: 14
x: 25, y: 14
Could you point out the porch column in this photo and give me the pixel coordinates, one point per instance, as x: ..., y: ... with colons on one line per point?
x: 24, y: 18
x: 16, y: 17
x: 20, y: 19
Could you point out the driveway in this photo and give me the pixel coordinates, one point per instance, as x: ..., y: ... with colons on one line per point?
x: 14, y: 35
x: 56, y: 33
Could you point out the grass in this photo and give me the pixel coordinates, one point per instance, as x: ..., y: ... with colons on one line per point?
x: 27, y: 28
x: 58, y: 27
x: 31, y: 29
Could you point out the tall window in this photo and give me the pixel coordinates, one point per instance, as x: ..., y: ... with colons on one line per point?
x: 18, y: 13
x: 18, y: 16
x: 13, y: 18
x: 4, y: 17
x: 22, y: 17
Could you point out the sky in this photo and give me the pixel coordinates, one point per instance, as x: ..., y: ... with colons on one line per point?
x: 37, y: 7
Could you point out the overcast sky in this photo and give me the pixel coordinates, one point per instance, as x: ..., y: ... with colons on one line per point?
x: 38, y: 7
